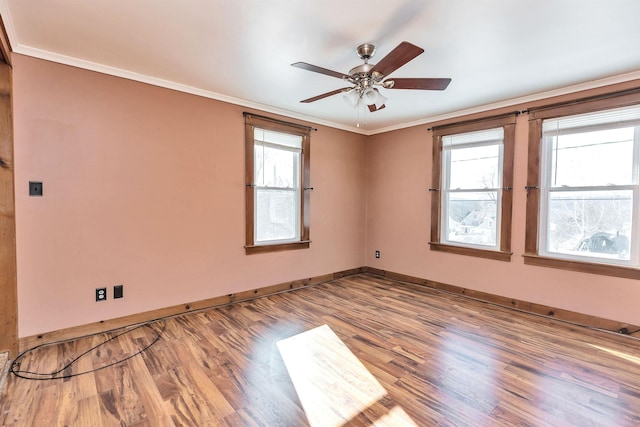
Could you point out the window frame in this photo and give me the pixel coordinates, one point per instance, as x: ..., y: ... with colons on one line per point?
x: 507, y: 122
x: 252, y: 122
x: 533, y: 254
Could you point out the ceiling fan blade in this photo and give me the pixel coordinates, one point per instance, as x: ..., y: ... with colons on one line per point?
x: 373, y: 107
x: 399, y: 56
x: 423, y: 84
x: 316, y: 69
x: 325, y: 95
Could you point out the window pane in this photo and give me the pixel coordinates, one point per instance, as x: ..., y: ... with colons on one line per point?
x: 275, y: 167
x: 475, y: 167
x: 472, y: 218
x: 603, y: 157
x: 276, y: 215
x: 590, y: 223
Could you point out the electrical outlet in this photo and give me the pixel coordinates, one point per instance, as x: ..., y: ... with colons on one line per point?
x: 101, y: 294
x: 377, y: 254
x: 117, y: 291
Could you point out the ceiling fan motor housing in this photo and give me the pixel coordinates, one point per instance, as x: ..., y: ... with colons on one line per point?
x: 361, y: 74
x: 361, y: 71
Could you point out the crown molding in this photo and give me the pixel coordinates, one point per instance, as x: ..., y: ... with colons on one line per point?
x: 167, y: 84
x: 592, y: 84
x: 118, y: 72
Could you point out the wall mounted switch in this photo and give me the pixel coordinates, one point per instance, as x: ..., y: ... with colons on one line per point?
x: 117, y: 291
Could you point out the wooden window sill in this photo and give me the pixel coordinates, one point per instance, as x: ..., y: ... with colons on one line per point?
x: 583, y: 267
x: 278, y: 247
x: 463, y: 250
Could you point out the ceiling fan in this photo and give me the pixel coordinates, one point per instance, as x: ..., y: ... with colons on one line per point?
x: 366, y: 77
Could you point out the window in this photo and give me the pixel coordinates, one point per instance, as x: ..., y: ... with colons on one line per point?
x: 472, y: 175
x: 589, y: 186
x: 471, y: 188
x: 582, y: 206
x: 277, y: 168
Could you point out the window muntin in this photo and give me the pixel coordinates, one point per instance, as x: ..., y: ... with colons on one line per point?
x: 472, y: 175
x: 589, y: 187
x: 277, y: 186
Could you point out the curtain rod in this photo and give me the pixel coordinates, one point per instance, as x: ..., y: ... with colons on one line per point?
x: 480, y: 119
x: 271, y: 119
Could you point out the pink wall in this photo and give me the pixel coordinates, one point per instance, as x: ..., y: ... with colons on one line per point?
x: 398, y: 218
x: 144, y: 186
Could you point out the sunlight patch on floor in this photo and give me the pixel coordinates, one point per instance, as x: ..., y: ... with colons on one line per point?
x: 625, y: 356
x: 334, y: 387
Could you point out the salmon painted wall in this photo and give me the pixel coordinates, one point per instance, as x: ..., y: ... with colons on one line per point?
x: 398, y: 221
x: 144, y: 187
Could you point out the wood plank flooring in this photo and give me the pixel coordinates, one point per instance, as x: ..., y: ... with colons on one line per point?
x: 363, y: 350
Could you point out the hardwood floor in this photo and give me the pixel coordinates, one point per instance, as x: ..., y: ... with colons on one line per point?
x: 356, y: 351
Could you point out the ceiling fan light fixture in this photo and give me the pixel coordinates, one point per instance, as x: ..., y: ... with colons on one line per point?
x: 381, y: 100
x: 369, y: 96
x: 372, y: 96
x: 351, y: 97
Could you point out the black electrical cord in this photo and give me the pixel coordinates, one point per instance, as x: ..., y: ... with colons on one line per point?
x: 29, y: 375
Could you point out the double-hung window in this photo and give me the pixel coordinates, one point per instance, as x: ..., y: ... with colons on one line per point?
x: 471, y: 192
x: 589, y: 188
x: 472, y: 181
x: 277, y: 166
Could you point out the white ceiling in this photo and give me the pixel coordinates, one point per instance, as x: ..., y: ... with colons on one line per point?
x: 496, y: 51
